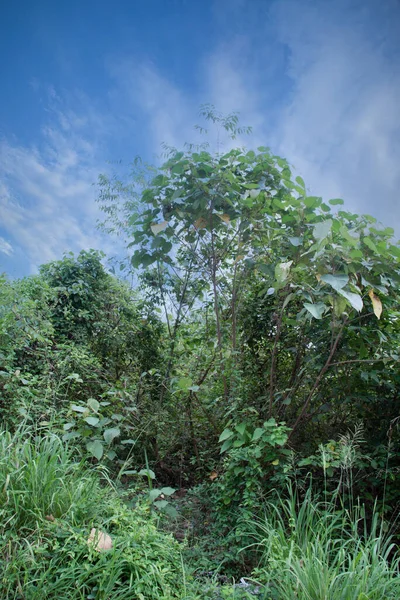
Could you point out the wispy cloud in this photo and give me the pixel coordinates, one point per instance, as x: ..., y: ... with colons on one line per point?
x: 47, y: 198
x: 342, y: 126
x: 164, y: 111
x: 6, y: 247
x: 319, y: 82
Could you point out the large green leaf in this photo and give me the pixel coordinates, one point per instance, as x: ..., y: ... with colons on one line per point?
x: 241, y: 428
x: 336, y: 281
x: 258, y: 432
x: 282, y: 271
x: 93, y: 404
x: 317, y: 310
x: 227, y: 433
x: 354, y: 299
x: 184, y: 383
x: 312, y: 201
x: 322, y: 229
x: 95, y: 448
x: 92, y: 420
x: 167, y: 491
x: 226, y: 445
x: 77, y: 408
x: 110, y: 434
x: 147, y: 473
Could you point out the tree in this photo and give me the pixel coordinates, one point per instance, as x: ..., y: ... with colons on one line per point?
x: 315, y: 286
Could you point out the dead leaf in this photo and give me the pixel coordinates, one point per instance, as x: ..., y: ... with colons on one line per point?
x: 158, y: 227
x: 99, y: 540
x: 200, y: 223
x: 225, y: 218
x: 376, y: 303
x: 50, y: 518
x: 213, y: 475
x: 240, y: 257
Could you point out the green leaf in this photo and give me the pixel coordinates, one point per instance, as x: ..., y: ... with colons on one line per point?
x: 312, y: 201
x: 154, y: 493
x: 241, y: 428
x: 156, y: 228
x: 161, y: 503
x: 339, y: 305
x: 322, y: 229
x: 300, y: 181
x: 287, y: 300
x: 238, y: 443
x: 92, y: 420
x: 282, y: 271
x: 317, y: 310
x: 167, y: 491
x: 226, y: 445
x: 171, y: 511
x: 368, y: 242
x: 336, y: 201
x: 68, y: 426
x: 77, y: 408
x: 226, y: 434
x: 295, y: 241
x: 93, y: 404
x: 354, y: 299
x: 95, y: 449
x: 147, y: 473
x: 110, y: 434
x: 336, y: 281
x: 257, y: 434
x: 70, y: 435
x: 184, y: 383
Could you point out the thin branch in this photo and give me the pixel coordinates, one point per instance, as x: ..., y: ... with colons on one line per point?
x: 318, y: 380
x: 272, y: 374
x: 356, y: 360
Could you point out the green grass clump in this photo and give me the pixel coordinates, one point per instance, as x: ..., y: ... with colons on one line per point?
x: 48, y: 505
x: 312, y: 550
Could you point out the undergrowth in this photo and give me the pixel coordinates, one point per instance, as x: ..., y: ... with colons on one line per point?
x: 317, y: 550
x: 296, y: 547
x: 49, y: 504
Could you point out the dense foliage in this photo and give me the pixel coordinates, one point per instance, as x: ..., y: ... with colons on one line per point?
x: 255, y: 361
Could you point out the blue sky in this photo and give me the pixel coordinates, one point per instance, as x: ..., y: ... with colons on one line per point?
x: 89, y: 82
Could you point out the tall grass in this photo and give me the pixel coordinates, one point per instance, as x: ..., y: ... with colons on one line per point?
x: 311, y: 550
x: 39, y: 478
x: 48, y: 504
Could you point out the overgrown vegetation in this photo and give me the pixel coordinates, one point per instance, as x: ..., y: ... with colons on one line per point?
x: 241, y: 395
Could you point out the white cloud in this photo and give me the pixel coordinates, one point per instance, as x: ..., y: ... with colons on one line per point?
x: 319, y: 82
x: 5, y: 247
x: 341, y: 128
x: 331, y: 108
x: 47, y: 200
x: 165, y: 111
